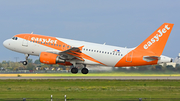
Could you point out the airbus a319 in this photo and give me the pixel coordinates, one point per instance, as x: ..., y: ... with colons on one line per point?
x: 54, y: 50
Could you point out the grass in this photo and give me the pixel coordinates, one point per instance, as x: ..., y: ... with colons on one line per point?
x: 101, y: 90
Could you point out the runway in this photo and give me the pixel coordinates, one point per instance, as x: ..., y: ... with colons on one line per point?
x: 101, y: 77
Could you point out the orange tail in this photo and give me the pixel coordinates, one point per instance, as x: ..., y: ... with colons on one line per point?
x: 150, y: 50
x: 156, y: 41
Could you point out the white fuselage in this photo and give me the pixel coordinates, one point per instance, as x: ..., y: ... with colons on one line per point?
x: 106, y: 54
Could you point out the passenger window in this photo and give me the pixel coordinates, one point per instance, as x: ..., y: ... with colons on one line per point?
x: 102, y: 51
x: 59, y: 45
x: 99, y: 51
x: 94, y: 50
x: 86, y: 49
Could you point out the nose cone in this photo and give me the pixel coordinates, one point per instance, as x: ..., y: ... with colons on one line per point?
x: 6, y: 43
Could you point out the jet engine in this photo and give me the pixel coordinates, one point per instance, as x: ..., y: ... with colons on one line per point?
x: 50, y: 58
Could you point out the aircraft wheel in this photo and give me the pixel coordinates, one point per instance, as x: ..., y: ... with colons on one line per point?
x: 24, y: 63
x: 74, y: 70
x: 85, y: 71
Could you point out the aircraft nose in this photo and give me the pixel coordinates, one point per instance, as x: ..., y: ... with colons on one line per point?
x: 6, y: 43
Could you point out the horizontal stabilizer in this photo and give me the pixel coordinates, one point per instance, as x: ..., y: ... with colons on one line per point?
x: 151, y: 58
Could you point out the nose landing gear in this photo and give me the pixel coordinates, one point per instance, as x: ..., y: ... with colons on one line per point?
x: 26, y: 62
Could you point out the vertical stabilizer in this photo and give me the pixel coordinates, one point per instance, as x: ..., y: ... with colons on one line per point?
x: 156, y: 41
x: 150, y: 50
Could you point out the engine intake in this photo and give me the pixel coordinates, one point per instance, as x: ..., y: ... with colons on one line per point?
x: 50, y: 58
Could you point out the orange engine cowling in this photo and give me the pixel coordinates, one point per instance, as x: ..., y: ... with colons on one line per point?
x: 50, y: 58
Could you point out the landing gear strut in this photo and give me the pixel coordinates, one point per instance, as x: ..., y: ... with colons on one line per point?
x: 26, y: 62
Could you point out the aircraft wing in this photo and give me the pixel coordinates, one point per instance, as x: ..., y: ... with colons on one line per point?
x: 73, y: 53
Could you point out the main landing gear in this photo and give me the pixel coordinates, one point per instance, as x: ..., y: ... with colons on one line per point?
x: 74, y: 70
x: 26, y: 62
x: 85, y: 71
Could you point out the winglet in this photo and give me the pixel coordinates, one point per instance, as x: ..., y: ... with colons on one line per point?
x: 80, y: 48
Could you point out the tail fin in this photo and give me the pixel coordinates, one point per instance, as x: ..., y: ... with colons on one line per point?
x: 150, y: 50
x: 156, y: 42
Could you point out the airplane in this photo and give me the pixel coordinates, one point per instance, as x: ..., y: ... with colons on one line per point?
x: 68, y: 52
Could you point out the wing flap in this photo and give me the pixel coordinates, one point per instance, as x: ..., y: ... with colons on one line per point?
x: 73, y: 53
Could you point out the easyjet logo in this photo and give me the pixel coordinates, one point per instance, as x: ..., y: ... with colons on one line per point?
x: 44, y: 40
x: 156, y: 37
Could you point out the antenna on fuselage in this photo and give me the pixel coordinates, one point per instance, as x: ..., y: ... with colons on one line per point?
x: 31, y: 32
x: 104, y: 43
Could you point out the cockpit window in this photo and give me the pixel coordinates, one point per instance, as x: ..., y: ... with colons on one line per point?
x: 14, y: 38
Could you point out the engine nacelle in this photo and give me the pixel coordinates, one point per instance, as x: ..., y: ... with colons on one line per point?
x: 50, y: 58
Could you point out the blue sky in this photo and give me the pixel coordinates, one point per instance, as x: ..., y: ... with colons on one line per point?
x: 124, y: 23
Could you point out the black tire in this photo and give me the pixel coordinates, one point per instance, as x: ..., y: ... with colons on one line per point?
x: 24, y: 63
x: 74, y: 70
x: 85, y: 71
